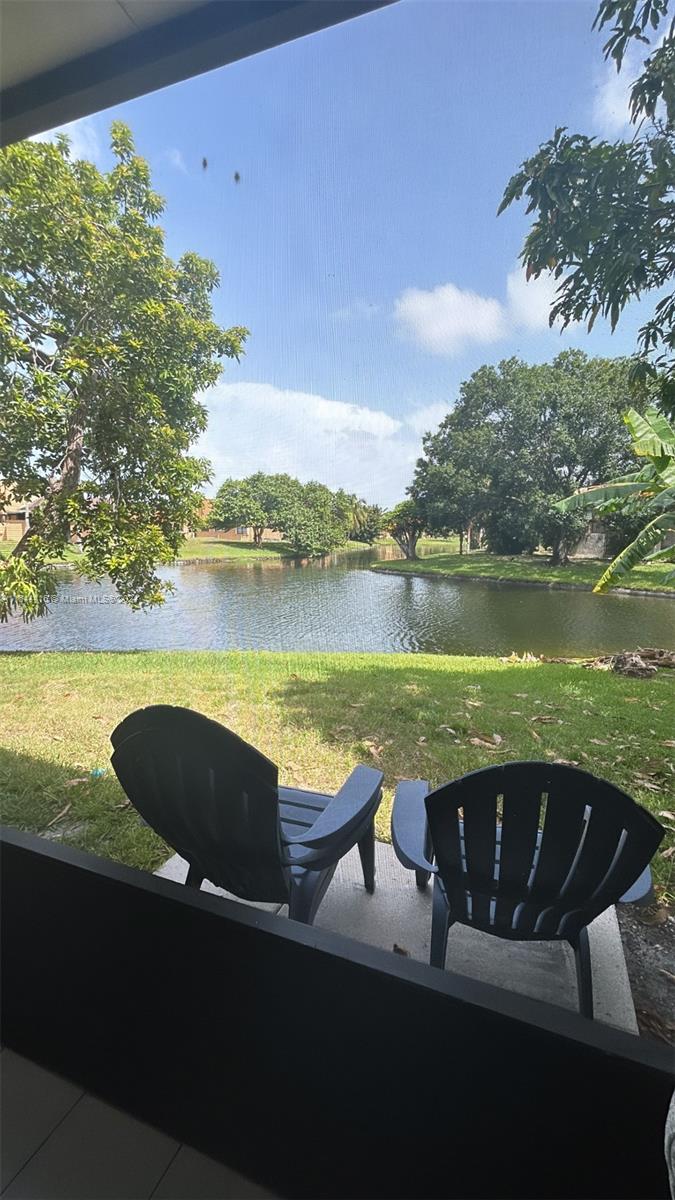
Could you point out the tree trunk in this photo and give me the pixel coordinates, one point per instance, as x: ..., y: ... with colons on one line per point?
x: 257, y: 534
x: 461, y: 541
x: 63, y: 484
x: 407, y: 543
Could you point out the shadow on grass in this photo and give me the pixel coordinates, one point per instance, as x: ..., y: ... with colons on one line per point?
x: 64, y: 803
x: 438, y: 721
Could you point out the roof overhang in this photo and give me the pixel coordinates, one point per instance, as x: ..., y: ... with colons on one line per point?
x: 65, y: 59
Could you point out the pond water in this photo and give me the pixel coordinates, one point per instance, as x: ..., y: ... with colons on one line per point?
x: 338, y: 604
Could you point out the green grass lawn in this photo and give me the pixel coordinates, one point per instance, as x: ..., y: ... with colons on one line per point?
x: 317, y: 716
x: 534, y: 567
x: 215, y: 548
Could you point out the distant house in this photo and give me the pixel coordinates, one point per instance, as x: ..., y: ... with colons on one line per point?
x: 14, y: 517
x: 593, y: 542
x: 238, y: 533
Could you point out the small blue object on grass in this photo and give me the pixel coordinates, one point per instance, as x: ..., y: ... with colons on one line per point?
x: 98, y: 773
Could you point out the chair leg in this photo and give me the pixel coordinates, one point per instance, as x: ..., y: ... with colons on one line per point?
x: 300, y: 905
x: 193, y: 879
x: 440, y: 926
x: 582, y: 956
x: 422, y: 877
x: 367, y: 856
x: 307, y: 893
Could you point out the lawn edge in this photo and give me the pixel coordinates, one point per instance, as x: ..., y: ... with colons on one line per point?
x: 510, y: 581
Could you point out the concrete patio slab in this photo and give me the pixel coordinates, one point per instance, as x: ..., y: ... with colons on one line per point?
x: 399, y: 915
x: 176, y: 868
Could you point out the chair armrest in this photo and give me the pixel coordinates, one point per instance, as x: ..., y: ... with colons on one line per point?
x: 409, y: 829
x: 345, y: 813
x: 640, y: 891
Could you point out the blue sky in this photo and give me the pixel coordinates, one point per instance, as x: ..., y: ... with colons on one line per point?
x: 361, y: 245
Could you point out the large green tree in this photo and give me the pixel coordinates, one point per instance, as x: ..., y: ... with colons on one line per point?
x: 406, y: 523
x: 520, y: 438
x: 262, y: 501
x: 367, y: 523
x: 319, y: 521
x: 604, y: 212
x: 105, y: 345
x: 313, y: 519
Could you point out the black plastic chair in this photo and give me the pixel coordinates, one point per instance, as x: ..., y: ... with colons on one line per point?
x: 529, y: 851
x: 217, y: 801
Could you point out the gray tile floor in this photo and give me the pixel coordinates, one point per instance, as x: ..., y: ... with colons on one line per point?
x: 60, y: 1143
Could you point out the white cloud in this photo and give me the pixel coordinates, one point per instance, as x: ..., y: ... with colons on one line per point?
x: 84, y: 139
x: 447, y: 318
x: 427, y: 419
x: 611, y: 102
x: 611, y: 114
x: 176, y: 159
x: 529, y: 301
x: 257, y: 426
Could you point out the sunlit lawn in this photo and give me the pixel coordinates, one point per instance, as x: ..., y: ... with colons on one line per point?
x: 317, y: 716
x: 535, y: 567
x: 237, y: 551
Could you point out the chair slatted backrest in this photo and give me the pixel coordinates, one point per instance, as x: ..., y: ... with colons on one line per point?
x: 537, y: 850
x: 208, y: 793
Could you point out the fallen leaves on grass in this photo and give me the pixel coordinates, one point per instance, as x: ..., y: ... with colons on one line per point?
x: 563, y: 762
x: 80, y: 779
x: 544, y: 719
x: 646, y: 781
x: 489, y: 743
x: 598, y: 742
x: 61, y: 814
x: 374, y: 748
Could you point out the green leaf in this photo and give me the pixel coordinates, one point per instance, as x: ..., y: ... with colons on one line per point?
x: 636, y: 552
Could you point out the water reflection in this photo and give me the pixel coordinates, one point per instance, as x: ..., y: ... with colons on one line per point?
x: 336, y: 604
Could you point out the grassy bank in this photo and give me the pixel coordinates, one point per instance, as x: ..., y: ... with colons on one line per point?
x: 317, y: 715
x: 534, y: 568
x: 216, y: 548
x: 246, y: 551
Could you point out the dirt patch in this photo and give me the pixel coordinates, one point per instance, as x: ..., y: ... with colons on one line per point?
x: 648, y: 936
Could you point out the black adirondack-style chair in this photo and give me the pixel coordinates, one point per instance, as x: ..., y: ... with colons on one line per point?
x: 529, y: 851
x: 217, y: 801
